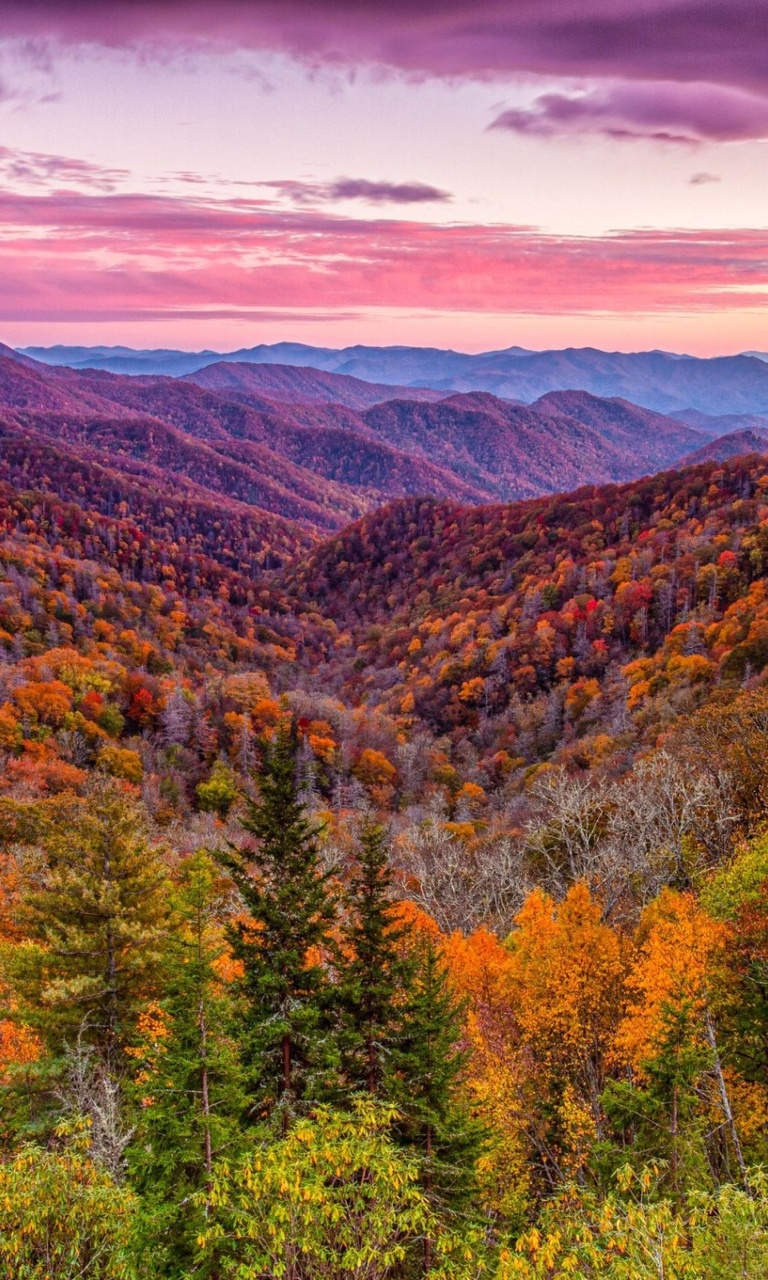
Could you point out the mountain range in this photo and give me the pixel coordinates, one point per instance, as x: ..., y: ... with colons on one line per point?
x: 733, y: 445
x: 485, y: 574
x: 260, y: 460
x: 663, y: 381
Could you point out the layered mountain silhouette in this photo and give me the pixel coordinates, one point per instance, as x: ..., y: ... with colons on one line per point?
x: 251, y: 383
x: 658, y: 380
x: 304, y: 453
x: 733, y: 445
x: 721, y: 424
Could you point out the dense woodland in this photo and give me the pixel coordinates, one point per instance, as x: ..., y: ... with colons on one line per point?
x: 385, y: 904
x: 300, y: 446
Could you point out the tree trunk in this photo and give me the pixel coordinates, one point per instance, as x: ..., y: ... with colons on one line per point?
x: 110, y: 1031
x: 286, y: 1077
x: 206, y: 1097
x: 673, y: 1164
x: 428, y: 1188
x: 204, y: 1090
x: 725, y: 1101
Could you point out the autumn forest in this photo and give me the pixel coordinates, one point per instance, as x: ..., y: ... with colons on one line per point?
x: 383, y: 851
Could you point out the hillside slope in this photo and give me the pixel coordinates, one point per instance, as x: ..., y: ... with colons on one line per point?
x: 323, y: 464
x: 729, y: 446
x: 658, y: 380
x: 517, y: 451
x: 714, y: 425
x: 291, y: 385
x: 550, y: 621
x: 470, y: 644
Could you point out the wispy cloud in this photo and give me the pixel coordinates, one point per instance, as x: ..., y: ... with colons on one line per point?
x: 360, y: 189
x: 663, y: 112
x: 68, y: 255
x: 703, y: 179
x: 37, y: 169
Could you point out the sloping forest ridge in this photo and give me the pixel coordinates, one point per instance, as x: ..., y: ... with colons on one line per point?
x: 384, y: 803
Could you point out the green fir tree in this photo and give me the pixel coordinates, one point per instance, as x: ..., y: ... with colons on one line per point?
x: 97, y: 920
x: 374, y: 970
x: 424, y: 1080
x: 288, y: 1041
x: 187, y: 1089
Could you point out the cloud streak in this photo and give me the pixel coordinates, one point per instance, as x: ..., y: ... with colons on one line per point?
x: 360, y: 189
x: 663, y: 112
x: 37, y: 169
x: 714, y: 41
x: 69, y: 256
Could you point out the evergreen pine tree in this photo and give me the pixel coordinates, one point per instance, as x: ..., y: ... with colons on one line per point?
x: 98, y: 920
x: 287, y: 1041
x: 188, y: 1088
x: 662, y: 1120
x: 424, y: 1081
x: 374, y: 969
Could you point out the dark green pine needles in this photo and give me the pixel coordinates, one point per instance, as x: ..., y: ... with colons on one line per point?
x: 400, y: 1026
x: 289, y: 1048
x: 338, y: 997
x: 374, y: 967
x: 425, y: 1071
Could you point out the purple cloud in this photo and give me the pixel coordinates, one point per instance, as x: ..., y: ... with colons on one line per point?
x: 703, y: 179
x: 386, y: 192
x: 718, y: 41
x: 360, y: 189
x: 665, y: 112
x: 34, y: 168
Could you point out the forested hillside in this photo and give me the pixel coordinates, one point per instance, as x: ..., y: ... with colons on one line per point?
x: 731, y: 445
x: 661, y: 380
x: 647, y: 595
x: 381, y: 903
x: 300, y: 445
x: 291, y: 385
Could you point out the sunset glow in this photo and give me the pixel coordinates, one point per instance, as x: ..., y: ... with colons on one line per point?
x: 548, y: 175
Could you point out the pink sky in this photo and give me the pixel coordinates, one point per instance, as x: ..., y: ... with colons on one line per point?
x: 560, y: 172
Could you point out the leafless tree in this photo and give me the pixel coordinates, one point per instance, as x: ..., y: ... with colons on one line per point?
x: 665, y: 821
x: 563, y: 834
x: 94, y: 1092
x: 628, y: 839
x: 462, y: 885
x: 176, y: 719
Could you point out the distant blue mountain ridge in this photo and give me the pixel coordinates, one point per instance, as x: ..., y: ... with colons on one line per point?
x: 660, y: 380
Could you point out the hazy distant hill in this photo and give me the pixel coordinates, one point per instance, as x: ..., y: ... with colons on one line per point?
x: 657, y: 380
x: 306, y: 460
x: 713, y: 425
x: 295, y: 385
x: 732, y: 445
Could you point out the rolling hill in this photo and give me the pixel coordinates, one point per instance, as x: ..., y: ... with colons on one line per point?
x: 658, y: 380
x: 640, y: 597
x: 251, y: 383
x: 310, y: 459
x: 714, y: 425
x: 573, y: 628
x: 733, y: 445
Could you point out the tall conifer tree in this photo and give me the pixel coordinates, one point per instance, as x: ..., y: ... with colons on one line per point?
x: 188, y: 1085
x: 100, y: 917
x: 374, y: 969
x: 288, y: 1041
x: 424, y: 1081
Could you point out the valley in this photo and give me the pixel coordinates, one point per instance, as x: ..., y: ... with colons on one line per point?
x: 336, y: 662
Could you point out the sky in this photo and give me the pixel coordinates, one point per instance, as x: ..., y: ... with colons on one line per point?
x: 541, y: 173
